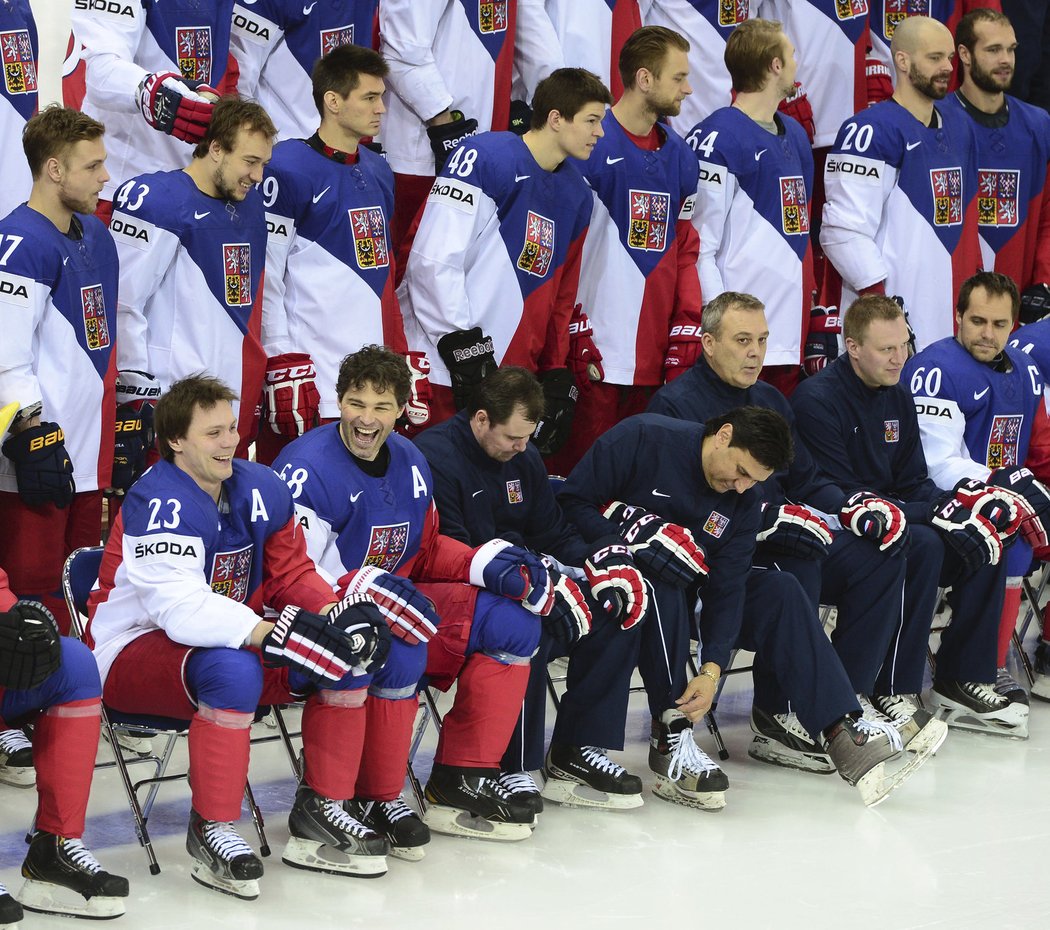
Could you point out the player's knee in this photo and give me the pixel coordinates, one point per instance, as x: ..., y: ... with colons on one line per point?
x: 76, y: 679
x: 230, y: 679
x: 504, y: 630
x: 400, y: 674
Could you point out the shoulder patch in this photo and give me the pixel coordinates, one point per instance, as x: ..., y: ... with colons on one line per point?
x: 454, y: 193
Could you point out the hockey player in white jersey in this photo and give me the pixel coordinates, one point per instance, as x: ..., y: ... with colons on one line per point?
x: 192, y: 244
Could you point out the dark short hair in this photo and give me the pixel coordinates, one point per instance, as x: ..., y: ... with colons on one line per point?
x: 174, y: 411
x: 341, y: 69
x: 762, y: 433
x: 53, y: 131
x: 994, y: 284
x: 750, y: 49
x: 864, y: 311
x: 229, y: 116
x: 966, y: 31
x: 711, y: 319
x: 647, y: 48
x: 502, y: 392
x: 382, y: 368
x: 567, y: 90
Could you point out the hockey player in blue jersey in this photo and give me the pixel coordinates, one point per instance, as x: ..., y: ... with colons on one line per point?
x: 365, y: 499
x: 859, y: 567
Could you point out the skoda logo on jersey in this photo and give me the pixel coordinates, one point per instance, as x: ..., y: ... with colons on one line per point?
x: 537, y: 252
x: 333, y: 38
x: 716, y: 524
x: 19, y: 63
x: 947, y: 196
x: 794, y: 211
x: 386, y: 546
x: 891, y: 430
x: 732, y: 12
x: 96, y: 327
x: 997, y: 197
x: 237, y: 266
x: 649, y: 212
x: 1003, y: 439
x: 368, y: 225
x: 851, y: 9
x: 492, y: 16
x: 895, y: 11
x: 230, y: 572
x: 193, y: 52
x: 514, y: 495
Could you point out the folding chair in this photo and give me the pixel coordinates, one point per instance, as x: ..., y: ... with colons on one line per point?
x: 78, y: 578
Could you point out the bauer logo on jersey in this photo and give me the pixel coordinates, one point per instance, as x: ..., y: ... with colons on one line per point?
x: 891, y: 430
x: 538, y: 251
x: 1003, y: 439
x: 851, y: 9
x: 732, y: 12
x: 947, y: 196
x: 230, y: 572
x: 895, y: 11
x: 649, y: 211
x: 997, y: 197
x: 193, y: 48
x: 19, y: 66
x: 492, y: 16
x: 96, y: 329
x: 387, y: 546
x: 369, y: 228
x: 333, y: 38
x: 237, y: 264
x: 716, y: 524
x: 514, y: 495
x: 794, y: 212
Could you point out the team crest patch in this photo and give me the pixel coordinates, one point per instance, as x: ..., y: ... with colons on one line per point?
x: 193, y: 48
x: 96, y: 329
x: 947, y: 196
x: 891, y: 430
x: 230, y: 572
x: 794, y: 214
x: 492, y: 16
x: 387, y: 545
x: 333, y: 38
x: 19, y: 66
x: 538, y: 251
x: 369, y: 228
x: 649, y: 212
x: 237, y: 263
x: 1003, y: 439
x: 716, y: 524
x: 732, y: 12
x: 997, y: 197
x: 896, y: 11
x: 850, y: 9
x: 514, y: 494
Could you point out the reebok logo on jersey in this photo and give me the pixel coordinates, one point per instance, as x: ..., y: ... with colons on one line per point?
x: 20, y: 75
x: 386, y: 545
x: 237, y: 265
x: 850, y: 9
x: 732, y: 12
x: 333, y: 38
x: 891, y: 430
x: 649, y: 211
x: 613, y: 161
x: 794, y: 211
x: 977, y: 395
x: 1003, y: 440
x: 230, y: 572
x: 716, y: 524
x: 997, y: 197
x: 368, y: 226
x: 514, y: 495
x: 947, y: 196
x: 193, y: 52
x: 537, y: 252
x: 492, y: 16
x: 96, y: 327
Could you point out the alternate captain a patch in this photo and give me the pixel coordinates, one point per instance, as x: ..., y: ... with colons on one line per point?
x: 19, y: 65
x: 237, y: 264
x: 96, y: 329
x: 333, y: 38
x: 193, y: 48
x: 716, y: 524
x: 891, y: 430
x: 514, y: 495
x: 387, y: 546
x: 1003, y: 439
x: 230, y: 572
x: 537, y: 252
x: 368, y: 226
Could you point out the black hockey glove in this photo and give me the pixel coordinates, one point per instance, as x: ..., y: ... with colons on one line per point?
x: 30, y: 645
x: 520, y: 117
x: 668, y: 551
x: 1035, y: 303
x: 1004, y: 509
x: 570, y: 617
x: 444, y: 138
x: 173, y: 104
x: 131, y: 444
x: 43, y: 470
x: 559, y: 406
x: 822, y: 343
x: 899, y: 301
x: 795, y: 531
x: 972, y: 537
x: 470, y: 359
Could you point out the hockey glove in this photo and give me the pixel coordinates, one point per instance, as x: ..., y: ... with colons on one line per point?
x: 174, y: 105
x: 136, y: 388
x: 291, y: 400
x: 520, y: 117
x: 1004, y: 509
x: 867, y: 514
x: 822, y: 343
x: 570, y: 617
x: 1035, y: 509
x: 514, y: 572
x: 417, y: 410
x: 665, y: 549
x: 1035, y: 303
x: 30, y: 646
x: 43, y: 471
x: 585, y: 361
x: 410, y: 616
x: 972, y: 537
x: 879, y: 81
x: 799, y: 107
x: 469, y: 357
x: 559, y: 406
x: 794, y: 530
x: 614, y: 578
x: 131, y: 444
x: 683, y: 349
x: 444, y: 138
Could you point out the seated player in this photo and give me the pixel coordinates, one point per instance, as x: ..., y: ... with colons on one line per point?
x: 52, y: 682
x: 201, y: 543
x: 365, y: 500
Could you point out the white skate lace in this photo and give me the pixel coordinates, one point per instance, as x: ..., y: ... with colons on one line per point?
x: 80, y: 856
x: 333, y: 812
x: 225, y: 841
x: 12, y: 741
x: 986, y: 694
x: 687, y: 757
x: 884, y: 726
x: 898, y: 707
x: 793, y: 726
x: 396, y: 810
x: 597, y: 758
x: 518, y: 783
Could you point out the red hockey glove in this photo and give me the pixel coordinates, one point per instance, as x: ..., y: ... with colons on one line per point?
x: 1035, y: 510
x: 822, y: 343
x: 410, y: 616
x: 174, y: 105
x: 614, y: 577
x: 570, y: 617
x: 291, y: 400
x: 972, y: 537
x: 683, y: 349
x: 417, y: 410
x: 585, y: 361
x: 879, y: 81
x: 795, y: 531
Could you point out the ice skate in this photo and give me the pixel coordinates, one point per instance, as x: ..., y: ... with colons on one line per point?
x: 1041, y: 670
x: 685, y: 774
x: 221, y: 858
x: 403, y: 827
x: 10, y: 910
x: 520, y: 786
x: 62, y: 877
x: 861, y: 748
x: 584, y: 776
x: 920, y: 731
x: 138, y: 742
x: 780, y: 739
x: 972, y: 705
x: 16, y: 759
x: 325, y: 838
x: 471, y: 802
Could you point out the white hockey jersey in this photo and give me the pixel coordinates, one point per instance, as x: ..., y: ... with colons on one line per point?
x: 592, y: 32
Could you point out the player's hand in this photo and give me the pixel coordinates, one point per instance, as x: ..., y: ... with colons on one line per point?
x: 614, y: 578
x: 822, y: 343
x: 570, y: 618
x: 683, y: 349
x: 798, y: 107
x: 1004, y: 509
x: 973, y: 538
x: 410, y: 616
x: 1035, y: 303
x: 176, y: 105
x: 417, y: 410
x: 666, y: 549
x: 446, y: 136
x: 503, y: 568
x: 867, y: 514
x: 795, y: 530
x: 697, y: 698
x: 1035, y: 501
x: 470, y: 358
x: 43, y: 471
x: 879, y: 81
x: 585, y: 360
x: 559, y: 406
x: 30, y: 646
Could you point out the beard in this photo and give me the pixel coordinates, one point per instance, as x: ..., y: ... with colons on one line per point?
x: 85, y: 204
x: 924, y: 85
x: 988, y: 81
x: 228, y: 190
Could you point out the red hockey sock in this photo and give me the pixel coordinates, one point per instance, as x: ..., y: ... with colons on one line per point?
x: 333, y: 736
x: 388, y: 738
x: 65, y: 741
x: 476, y: 731
x: 219, y: 743
x: 1008, y: 619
